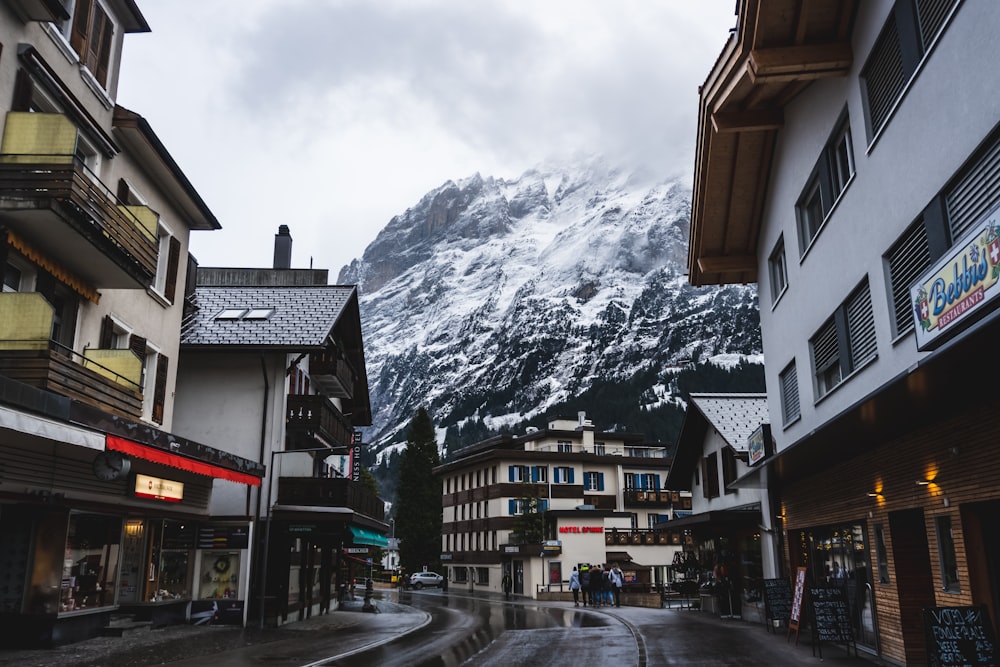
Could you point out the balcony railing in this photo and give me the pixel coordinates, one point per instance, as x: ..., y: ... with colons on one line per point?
x: 330, y: 492
x: 317, y: 415
x: 643, y: 498
x: 641, y: 537
x: 331, y: 374
x: 53, y: 200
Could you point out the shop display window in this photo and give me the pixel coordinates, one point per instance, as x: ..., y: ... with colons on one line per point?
x: 170, y: 563
x: 220, y: 575
x: 90, y: 561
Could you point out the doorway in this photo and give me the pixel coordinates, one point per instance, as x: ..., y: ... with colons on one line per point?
x: 518, y: 577
x: 981, y: 525
x: 914, y: 578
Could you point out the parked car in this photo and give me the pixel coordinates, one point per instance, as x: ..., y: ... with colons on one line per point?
x: 420, y: 579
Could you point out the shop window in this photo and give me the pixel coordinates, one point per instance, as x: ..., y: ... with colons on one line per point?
x: 946, y: 554
x: 90, y: 565
x: 881, y: 555
x: 483, y: 576
x: 459, y: 575
x: 778, y: 271
x: 789, y: 383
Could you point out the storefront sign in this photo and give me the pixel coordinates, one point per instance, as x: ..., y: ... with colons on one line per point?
x: 956, y: 290
x: 551, y: 548
x: 356, y: 550
x: 581, y: 529
x: 159, y: 489
x: 512, y: 550
x: 356, y: 463
x: 759, y: 444
x: 223, y: 537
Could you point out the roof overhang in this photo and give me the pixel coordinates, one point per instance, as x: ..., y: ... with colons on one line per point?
x: 778, y: 49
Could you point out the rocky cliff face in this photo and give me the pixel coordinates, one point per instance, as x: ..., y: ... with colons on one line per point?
x: 501, y: 300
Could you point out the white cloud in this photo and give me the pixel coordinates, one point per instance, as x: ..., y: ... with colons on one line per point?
x: 333, y: 116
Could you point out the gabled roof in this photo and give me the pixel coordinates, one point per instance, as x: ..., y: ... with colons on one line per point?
x: 302, y: 317
x: 733, y: 416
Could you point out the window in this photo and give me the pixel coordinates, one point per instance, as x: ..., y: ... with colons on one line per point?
x: 830, y: 177
x: 906, y: 39
x: 778, y: 271
x: 518, y: 506
x: 539, y: 474
x: 788, y: 382
x: 261, y: 314
x: 946, y: 554
x: 593, y: 481
x: 168, y: 262
x: 710, y: 473
x: 519, y: 474
x: 599, y: 448
x: 906, y: 260
x: 482, y: 575
x: 562, y: 475
x: 881, y: 555
x: 11, y: 278
x: 976, y: 191
x: 845, y: 342
x: 91, y: 37
x: 564, y: 446
x: 729, y: 468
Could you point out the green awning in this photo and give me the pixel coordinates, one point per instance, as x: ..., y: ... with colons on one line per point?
x: 369, y: 537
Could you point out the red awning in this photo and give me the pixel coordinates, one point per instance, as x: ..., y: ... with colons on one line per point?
x: 176, y: 461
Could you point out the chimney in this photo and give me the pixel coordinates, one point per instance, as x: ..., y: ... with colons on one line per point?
x: 283, y: 248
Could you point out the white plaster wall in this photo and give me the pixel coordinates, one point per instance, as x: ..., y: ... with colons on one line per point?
x: 947, y: 111
x: 220, y: 403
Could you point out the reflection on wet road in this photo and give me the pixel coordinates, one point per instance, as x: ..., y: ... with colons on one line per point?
x: 462, y: 627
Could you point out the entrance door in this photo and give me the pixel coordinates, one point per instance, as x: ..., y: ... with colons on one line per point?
x: 981, y: 525
x: 519, y: 577
x: 914, y: 578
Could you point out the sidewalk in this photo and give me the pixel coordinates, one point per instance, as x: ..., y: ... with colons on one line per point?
x: 144, y: 647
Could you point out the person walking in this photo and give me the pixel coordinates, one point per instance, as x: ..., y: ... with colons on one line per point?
x: 606, y: 587
x: 574, y: 586
x: 585, y: 583
x: 507, y: 584
x: 617, y: 580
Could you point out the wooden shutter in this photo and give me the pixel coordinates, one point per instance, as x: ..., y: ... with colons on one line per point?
x: 173, y: 260
x: 81, y: 24
x: 107, y: 335
x: 160, y: 390
x: 138, y: 346
x: 102, y: 31
x: 24, y: 90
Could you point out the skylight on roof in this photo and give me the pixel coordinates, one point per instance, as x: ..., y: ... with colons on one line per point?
x: 259, y: 314
x: 231, y: 314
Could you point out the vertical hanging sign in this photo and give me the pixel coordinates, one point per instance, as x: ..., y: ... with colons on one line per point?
x: 356, y: 456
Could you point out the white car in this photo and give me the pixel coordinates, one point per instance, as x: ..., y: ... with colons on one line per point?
x: 420, y: 579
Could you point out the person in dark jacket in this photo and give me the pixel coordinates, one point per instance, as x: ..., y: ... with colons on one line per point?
x: 585, y: 583
x: 596, y: 586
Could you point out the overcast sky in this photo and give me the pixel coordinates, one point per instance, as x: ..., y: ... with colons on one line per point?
x: 332, y: 116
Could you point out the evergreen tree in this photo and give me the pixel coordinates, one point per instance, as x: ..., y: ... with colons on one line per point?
x: 418, y: 501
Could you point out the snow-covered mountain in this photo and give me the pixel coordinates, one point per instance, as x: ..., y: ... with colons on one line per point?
x: 501, y: 300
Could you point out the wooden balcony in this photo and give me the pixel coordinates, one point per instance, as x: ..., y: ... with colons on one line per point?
x: 316, y: 415
x: 330, y: 492
x: 331, y: 374
x: 105, y: 379
x: 642, y: 498
x: 65, y: 213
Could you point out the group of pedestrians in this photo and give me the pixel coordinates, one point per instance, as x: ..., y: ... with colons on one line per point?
x: 599, y: 586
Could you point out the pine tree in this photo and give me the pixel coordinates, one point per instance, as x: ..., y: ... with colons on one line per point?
x: 418, y: 501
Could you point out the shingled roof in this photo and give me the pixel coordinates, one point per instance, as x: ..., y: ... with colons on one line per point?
x: 294, y: 318
x: 733, y: 416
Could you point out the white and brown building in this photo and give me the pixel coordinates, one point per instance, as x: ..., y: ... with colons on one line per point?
x: 601, y: 494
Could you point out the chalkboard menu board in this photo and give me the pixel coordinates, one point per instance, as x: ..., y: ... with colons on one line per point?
x: 778, y: 599
x: 959, y: 636
x: 831, y: 620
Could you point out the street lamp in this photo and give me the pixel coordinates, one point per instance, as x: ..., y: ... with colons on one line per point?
x: 267, y: 527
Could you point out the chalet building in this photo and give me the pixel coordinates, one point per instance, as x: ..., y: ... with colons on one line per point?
x: 272, y: 361
x: 847, y: 162
x: 730, y: 543
x: 602, y: 496
x: 104, y: 509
